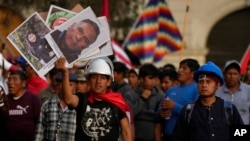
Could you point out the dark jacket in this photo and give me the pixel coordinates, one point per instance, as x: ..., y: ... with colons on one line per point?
x: 144, y: 111
x: 206, y: 123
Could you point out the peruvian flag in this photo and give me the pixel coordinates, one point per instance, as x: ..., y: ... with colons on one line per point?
x: 244, y: 60
x: 119, y: 53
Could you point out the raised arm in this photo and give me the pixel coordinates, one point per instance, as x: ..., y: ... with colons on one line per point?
x: 6, y: 65
x: 68, y: 97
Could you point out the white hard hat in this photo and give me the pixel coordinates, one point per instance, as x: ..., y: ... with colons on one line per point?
x: 101, y: 65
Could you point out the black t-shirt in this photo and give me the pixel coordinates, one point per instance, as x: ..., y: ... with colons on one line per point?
x: 97, y: 121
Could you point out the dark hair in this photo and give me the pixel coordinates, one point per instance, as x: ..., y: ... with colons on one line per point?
x: 95, y: 26
x: 172, y: 74
x: 53, y: 71
x: 119, y: 67
x: 191, y: 63
x: 148, y: 70
x: 169, y: 66
x: 22, y: 75
x: 133, y: 71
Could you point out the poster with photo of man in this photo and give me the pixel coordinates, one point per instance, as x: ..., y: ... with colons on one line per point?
x: 106, y: 48
x: 78, y: 36
x: 58, y: 15
x: 28, y: 39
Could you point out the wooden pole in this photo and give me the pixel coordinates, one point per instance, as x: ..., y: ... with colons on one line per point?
x: 185, y: 22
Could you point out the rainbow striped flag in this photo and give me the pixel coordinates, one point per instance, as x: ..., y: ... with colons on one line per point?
x: 154, y: 34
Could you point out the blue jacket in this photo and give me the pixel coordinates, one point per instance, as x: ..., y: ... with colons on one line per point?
x: 181, y: 95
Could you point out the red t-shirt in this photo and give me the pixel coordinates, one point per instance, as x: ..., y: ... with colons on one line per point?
x: 36, y: 84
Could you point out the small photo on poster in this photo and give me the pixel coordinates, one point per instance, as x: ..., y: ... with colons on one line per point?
x: 28, y: 39
x: 78, y: 36
x: 57, y: 16
x: 105, y: 49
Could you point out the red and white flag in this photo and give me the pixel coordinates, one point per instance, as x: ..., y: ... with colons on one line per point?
x: 119, y: 53
x: 244, y: 60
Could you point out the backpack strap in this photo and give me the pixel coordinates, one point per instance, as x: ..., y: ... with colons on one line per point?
x: 228, y: 106
x: 188, y: 112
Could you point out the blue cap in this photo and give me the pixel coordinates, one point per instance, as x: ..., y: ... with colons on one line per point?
x: 72, y: 77
x: 21, y: 61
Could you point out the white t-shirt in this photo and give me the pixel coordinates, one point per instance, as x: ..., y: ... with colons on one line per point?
x: 4, y: 64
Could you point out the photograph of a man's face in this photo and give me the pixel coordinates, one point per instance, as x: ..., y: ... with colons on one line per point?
x: 75, y: 38
x: 81, y: 35
x: 78, y: 36
x: 105, y: 49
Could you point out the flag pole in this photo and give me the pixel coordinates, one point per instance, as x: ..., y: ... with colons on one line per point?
x: 185, y: 28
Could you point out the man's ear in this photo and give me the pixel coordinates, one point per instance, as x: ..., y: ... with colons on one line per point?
x: 24, y: 83
x: 109, y: 81
x: 218, y: 85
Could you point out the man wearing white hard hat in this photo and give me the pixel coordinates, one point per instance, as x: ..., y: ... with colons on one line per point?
x: 101, y: 113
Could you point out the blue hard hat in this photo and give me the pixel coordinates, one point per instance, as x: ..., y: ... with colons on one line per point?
x: 209, y: 68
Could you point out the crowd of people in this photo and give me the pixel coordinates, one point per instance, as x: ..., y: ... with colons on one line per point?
x: 106, y: 101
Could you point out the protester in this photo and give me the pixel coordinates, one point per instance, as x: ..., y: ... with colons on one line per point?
x: 144, y: 101
x: 5, y: 65
x: 51, y: 90
x: 206, y: 119
x: 4, y: 113
x: 57, y: 122
x: 82, y: 83
x: 119, y: 84
x: 168, y: 78
x: 175, y: 98
x: 133, y: 78
x: 100, y: 112
x: 35, y: 83
x: 24, y: 109
x: 235, y: 91
x: 75, y: 38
